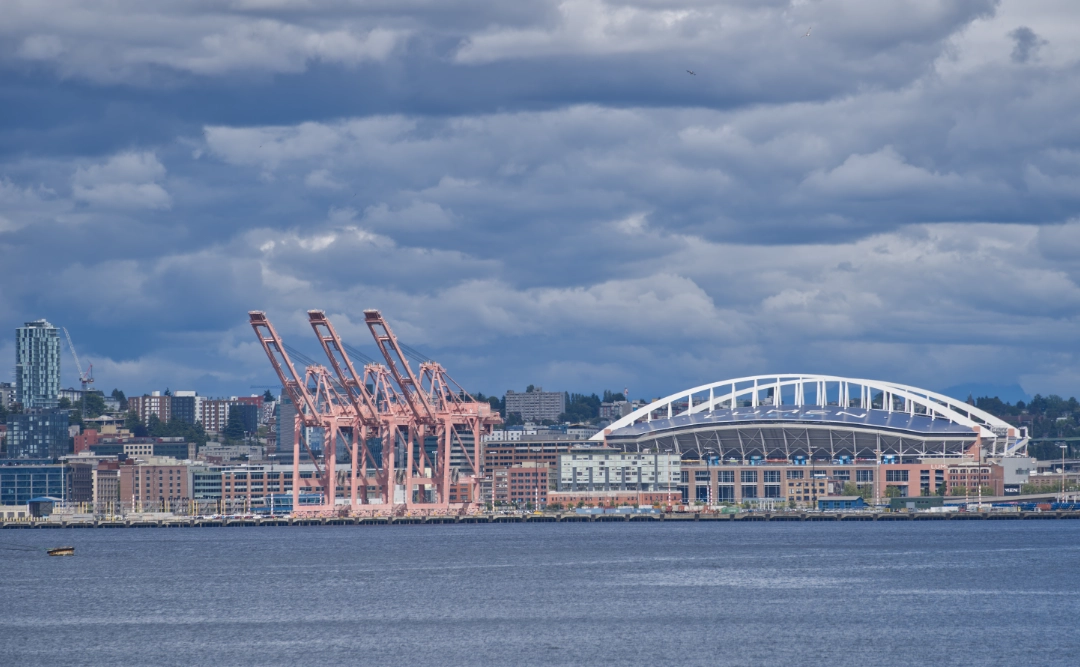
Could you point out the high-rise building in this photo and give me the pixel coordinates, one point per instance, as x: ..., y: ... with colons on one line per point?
x: 154, y: 404
x: 186, y: 406
x: 7, y: 394
x: 37, y: 365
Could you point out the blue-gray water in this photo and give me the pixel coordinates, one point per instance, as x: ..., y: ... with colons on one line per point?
x: 956, y: 593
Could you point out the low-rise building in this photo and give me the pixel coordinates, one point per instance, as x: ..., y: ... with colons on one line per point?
x: 971, y: 477
x: 156, y: 484
x: 605, y: 469
x: 14, y: 512
x: 522, y: 483
x: 29, y: 478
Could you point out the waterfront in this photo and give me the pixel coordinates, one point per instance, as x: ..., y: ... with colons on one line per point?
x: 627, y: 593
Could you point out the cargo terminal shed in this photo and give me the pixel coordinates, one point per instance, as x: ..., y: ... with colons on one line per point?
x: 805, y: 418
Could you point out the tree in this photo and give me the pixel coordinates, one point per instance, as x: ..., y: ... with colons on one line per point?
x: 94, y: 404
x: 892, y: 492
x: 135, y: 425
x: 529, y: 389
x: 167, y: 392
x: 119, y: 396
x: 268, y: 397
x: 513, y: 419
x: 234, y: 428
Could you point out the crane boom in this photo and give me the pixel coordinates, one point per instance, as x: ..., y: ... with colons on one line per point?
x: 291, y: 382
x: 84, y: 377
x: 411, y: 390
x: 351, y: 381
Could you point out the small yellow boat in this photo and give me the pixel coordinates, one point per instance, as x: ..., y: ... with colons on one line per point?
x: 62, y: 551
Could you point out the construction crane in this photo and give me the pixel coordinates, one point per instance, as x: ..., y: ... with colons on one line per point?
x: 85, y: 377
x: 318, y: 404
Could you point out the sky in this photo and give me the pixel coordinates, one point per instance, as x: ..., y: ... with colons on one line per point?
x: 539, y: 192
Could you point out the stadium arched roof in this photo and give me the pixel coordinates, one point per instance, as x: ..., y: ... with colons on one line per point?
x: 819, y: 400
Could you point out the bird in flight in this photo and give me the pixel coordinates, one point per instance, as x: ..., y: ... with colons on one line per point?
x: 691, y: 72
x: 808, y: 31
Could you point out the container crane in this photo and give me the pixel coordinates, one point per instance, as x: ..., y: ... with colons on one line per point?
x: 439, y: 405
x: 318, y: 404
x: 384, y: 419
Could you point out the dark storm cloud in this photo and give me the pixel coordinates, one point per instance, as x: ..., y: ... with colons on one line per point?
x: 1027, y: 44
x: 539, y: 192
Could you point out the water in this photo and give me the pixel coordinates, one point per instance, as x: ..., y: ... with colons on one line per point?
x: 956, y: 593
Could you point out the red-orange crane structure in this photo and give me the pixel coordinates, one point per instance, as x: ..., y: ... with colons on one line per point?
x: 437, y: 405
x: 458, y: 408
x: 318, y: 404
x: 378, y: 411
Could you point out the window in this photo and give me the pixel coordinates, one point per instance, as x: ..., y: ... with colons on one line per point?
x: 702, y: 493
x: 772, y: 476
x: 748, y: 476
x: 725, y: 493
x: 749, y: 491
x: 726, y: 476
x: 844, y: 475
x: 701, y: 475
x: 772, y: 490
x: 684, y: 476
x: 896, y: 475
x: 794, y: 474
x: 864, y: 475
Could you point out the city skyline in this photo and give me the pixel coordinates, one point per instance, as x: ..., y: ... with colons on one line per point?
x: 544, y: 195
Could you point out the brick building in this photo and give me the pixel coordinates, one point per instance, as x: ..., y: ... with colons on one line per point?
x: 158, y: 485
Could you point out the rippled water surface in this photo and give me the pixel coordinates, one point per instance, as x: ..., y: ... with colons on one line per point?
x: 956, y: 593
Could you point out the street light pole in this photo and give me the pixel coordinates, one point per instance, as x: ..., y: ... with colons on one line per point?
x: 1063, y: 448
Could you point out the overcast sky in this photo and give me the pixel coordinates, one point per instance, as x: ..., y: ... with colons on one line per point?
x: 539, y: 192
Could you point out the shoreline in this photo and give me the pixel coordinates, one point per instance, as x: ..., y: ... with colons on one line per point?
x: 241, y: 522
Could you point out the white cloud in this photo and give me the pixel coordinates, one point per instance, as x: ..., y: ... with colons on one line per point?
x: 122, y: 41
x: 126, y: 180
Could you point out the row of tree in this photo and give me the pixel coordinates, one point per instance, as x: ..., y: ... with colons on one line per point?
x: 1049, y: 417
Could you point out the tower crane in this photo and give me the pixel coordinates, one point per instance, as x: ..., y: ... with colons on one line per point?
x: 87, y: 377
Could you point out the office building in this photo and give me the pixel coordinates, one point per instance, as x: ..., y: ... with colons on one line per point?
x: 20, y: 481
x: 37, y: 365
x: 38, y: 434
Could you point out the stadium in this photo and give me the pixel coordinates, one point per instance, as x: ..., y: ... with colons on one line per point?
x: 795, y: 418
